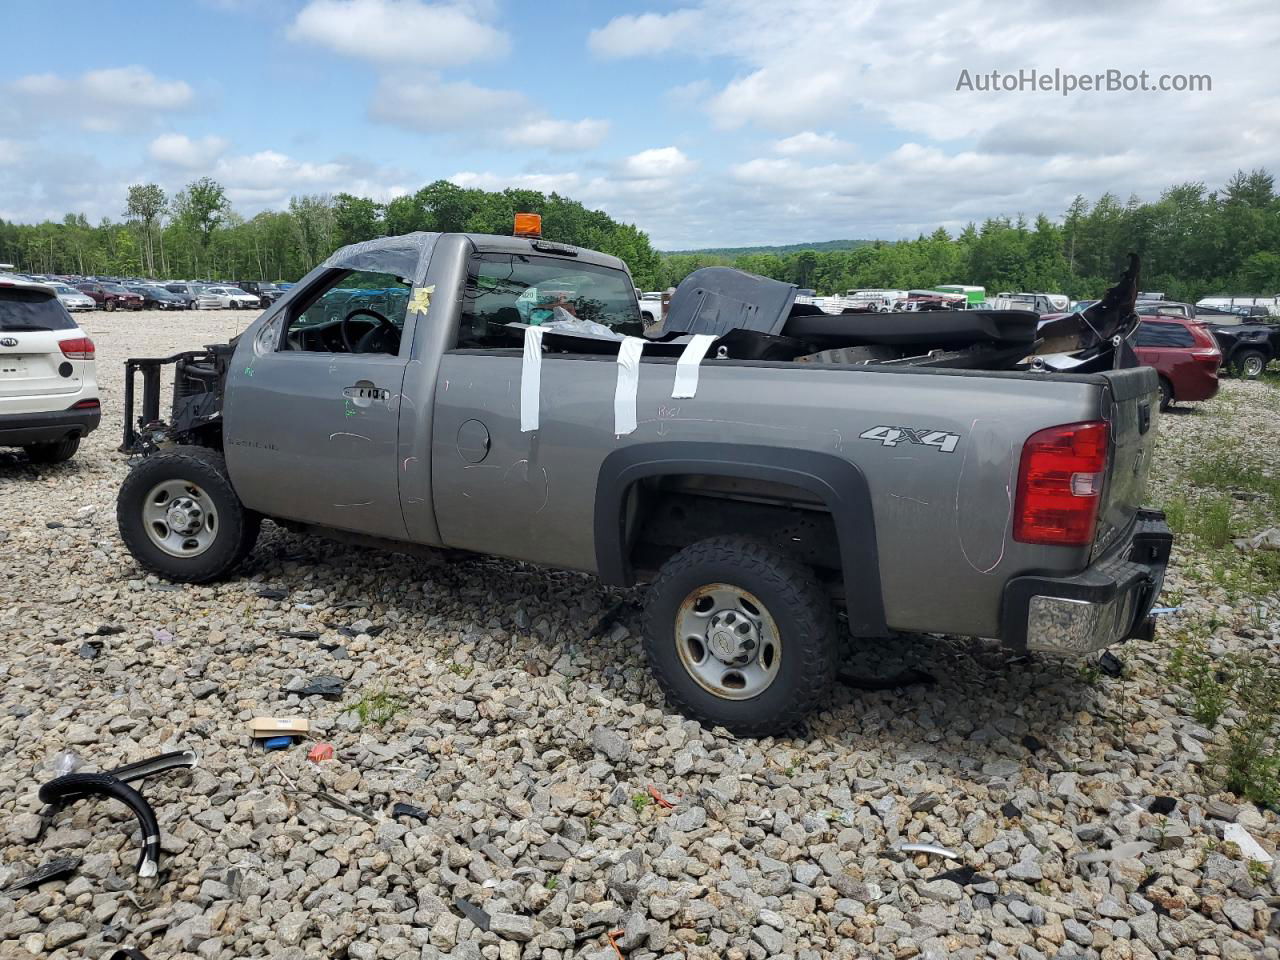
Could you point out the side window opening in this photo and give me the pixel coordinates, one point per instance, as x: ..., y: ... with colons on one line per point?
x: 359, y: 311
x: 505, y: 292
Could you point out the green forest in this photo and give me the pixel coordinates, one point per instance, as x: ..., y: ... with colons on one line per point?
x: 1193, y: 240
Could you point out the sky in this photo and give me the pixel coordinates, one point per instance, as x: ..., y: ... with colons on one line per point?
x: 704, y: 122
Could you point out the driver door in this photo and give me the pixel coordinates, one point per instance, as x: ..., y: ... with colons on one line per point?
x: 313, y: 407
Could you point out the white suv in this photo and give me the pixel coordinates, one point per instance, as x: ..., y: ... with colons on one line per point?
x: 48, y: 383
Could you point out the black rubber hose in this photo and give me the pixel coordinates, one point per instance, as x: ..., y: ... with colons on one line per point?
x: 77, y: 786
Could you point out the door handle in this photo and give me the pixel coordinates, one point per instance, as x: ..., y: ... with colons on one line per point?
x: 365, y: 391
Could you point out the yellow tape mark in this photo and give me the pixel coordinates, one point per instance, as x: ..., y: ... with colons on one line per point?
x: 421, y: 301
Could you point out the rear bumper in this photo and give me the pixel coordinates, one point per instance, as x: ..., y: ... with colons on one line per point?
x: 17, y: 429
x: 1109, y: 602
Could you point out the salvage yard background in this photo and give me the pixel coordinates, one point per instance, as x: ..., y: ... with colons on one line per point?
x: 1087, y: 805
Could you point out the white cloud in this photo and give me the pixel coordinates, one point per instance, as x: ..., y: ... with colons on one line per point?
x: 810, y: 143
x: 179, y: 150
x: 100, y: 100
x: 658, y: 163
x: 432, y: 105
x: 564, y: 183
x: 135, y: 88
x: 559, y: 136
x: 871, y: 137
x: 408, y: 31
x: 644, y: 34
x: 11, y: 152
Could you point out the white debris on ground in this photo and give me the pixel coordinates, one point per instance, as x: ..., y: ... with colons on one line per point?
x: 488, y: 694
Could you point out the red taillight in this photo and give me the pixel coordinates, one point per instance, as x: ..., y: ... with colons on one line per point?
x: 1060, y: 484
x: 81, y: 348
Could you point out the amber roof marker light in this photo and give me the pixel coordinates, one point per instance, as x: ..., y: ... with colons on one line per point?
x: 528, y: 225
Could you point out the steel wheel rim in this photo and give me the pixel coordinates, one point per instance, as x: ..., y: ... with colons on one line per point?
x: 728, y: 641
x: 1253, y: 366
x: 180, y: 518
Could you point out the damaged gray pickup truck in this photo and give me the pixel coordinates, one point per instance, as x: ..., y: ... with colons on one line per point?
x: 765, y: 468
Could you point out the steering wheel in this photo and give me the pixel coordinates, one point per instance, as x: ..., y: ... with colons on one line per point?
x: 383, y: 326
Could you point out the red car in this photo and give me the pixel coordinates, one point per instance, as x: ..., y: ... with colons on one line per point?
x: 110, y: 296
x: 1184, y: 353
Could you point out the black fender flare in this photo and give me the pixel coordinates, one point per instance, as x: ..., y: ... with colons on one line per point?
x: 840, y: 484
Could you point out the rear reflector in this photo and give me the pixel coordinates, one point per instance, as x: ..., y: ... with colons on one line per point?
x: 1060, y: 484
x: 86, y: 405
x: 81, y: 348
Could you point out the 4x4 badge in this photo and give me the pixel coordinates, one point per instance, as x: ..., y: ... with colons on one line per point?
x: 892, y: 436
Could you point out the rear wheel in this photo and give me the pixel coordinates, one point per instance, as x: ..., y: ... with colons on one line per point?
x: 180, y: 517
x: 1250, y: 363
x: 740, y: 635
x: 59, y: 451
x: 1166, y: 394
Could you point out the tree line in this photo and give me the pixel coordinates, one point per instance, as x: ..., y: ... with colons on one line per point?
x: 1194, y: 241
x: 195, y: 234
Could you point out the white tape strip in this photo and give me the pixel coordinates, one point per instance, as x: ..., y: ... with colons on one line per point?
x: 530, y: 379
x: 686, y: 384
x: 624, y: 395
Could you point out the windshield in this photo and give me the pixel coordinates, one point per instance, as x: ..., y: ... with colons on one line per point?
x: 32, y: 311
x: 114, y: 288
x: 63, y: 288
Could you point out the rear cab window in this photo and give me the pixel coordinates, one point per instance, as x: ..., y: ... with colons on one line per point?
x: 32, y: 311
x: 505, y: 292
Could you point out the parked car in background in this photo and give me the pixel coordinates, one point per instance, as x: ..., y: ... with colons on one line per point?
x: 156, y: 297
x: 1248, y: 344
x: 71, y: 298
x: 111, y: 296
x: 226, y: 298
x: 189, y: 291
x: 48, y: 384
x: 267, y: 293
x: 1185, y: 355
x: 1165, y: 308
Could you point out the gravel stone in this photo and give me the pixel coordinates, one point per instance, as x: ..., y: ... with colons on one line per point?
x: 525, y: 733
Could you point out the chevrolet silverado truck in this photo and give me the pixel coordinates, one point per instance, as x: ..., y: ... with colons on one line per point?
x: 782, y: 479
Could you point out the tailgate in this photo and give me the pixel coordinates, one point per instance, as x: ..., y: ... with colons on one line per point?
x: 1134, y: 408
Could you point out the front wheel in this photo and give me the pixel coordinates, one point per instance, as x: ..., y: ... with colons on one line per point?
x: 180, y: 517
x: 740, y: 635
x: 1250, y: 364
x: 109, y: 305
x: 1166, y: 394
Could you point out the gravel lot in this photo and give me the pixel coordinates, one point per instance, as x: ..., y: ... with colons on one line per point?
x: 530, y: 732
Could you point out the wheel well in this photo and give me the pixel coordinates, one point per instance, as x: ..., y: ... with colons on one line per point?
x: 665, y: 514
x: 654, y: 498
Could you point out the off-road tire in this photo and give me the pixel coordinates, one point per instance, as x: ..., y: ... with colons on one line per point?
x: 56, y: 451
x: 1249, y: 358
x: 237, y: 529
x: 1166, y: 394
x: 796, y: 601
